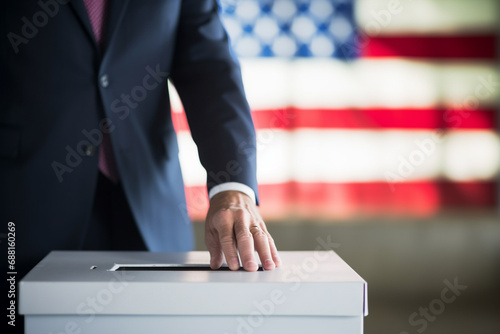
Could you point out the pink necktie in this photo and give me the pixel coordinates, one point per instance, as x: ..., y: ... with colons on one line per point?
x: 107, y: 164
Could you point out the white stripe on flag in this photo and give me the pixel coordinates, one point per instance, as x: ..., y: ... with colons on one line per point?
x: 193, y: 172
x: 427, y: 16
x: 364, y: 156
x: 175, y: 101
x: 367, y: 83
x: 313, y: 155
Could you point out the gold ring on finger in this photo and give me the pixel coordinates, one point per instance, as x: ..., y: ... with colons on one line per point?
x: 254, y: 229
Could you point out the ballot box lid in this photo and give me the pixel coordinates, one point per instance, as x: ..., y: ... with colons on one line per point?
x: 309, y: 283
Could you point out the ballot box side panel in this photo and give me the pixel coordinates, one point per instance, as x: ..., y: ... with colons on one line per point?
x: 133, y: 298
x: 256, y: 323
x: 311, y: 283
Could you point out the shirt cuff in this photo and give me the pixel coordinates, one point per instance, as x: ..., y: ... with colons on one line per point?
x: 234, y: 186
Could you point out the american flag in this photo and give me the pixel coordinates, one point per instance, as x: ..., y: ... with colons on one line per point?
x: 367, y: 107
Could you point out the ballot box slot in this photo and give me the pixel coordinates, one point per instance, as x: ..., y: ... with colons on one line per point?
x: 169, y: 267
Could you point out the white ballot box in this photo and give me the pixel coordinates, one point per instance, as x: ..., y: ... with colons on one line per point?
x: 144, y: 292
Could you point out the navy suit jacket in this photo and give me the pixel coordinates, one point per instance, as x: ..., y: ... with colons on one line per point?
x: 59, y: 92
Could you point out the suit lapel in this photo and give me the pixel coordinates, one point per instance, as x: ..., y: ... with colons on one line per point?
x: 115, y: 12
x: 81, y: 12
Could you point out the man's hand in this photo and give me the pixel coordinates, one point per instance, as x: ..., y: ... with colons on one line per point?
x: 234, y: 225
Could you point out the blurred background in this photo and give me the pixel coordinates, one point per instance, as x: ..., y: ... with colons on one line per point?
x: 377, y: 126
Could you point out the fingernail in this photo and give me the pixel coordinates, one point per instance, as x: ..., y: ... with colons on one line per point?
x: 252, y: 264
x: 269, y: 264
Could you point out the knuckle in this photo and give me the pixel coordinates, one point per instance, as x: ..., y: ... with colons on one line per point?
x: 221, y: 216
x: 259, y: 234
x: 240, y: 214
x: 226, y: 240
x: 243, y: 234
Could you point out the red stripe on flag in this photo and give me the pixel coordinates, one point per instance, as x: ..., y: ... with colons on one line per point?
x: 484, y: 46
x: 348, y: 200
x: 289, y: 119
x: 180, y: 121
x: 375, y: 118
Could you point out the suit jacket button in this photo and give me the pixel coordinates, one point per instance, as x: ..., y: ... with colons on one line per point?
x: 104, y: 80
x: 89, y: 150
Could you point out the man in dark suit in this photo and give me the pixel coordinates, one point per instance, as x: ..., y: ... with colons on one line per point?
x: 88, y: 153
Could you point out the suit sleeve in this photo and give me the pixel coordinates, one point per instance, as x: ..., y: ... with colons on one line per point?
x: 208, y: 80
